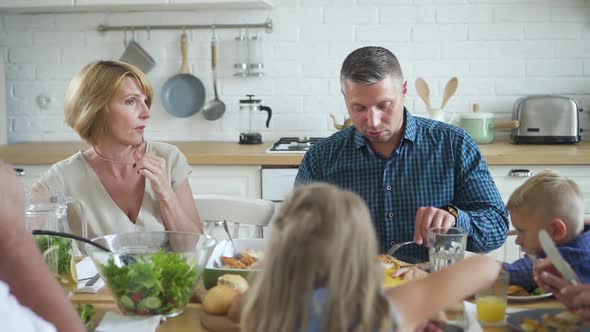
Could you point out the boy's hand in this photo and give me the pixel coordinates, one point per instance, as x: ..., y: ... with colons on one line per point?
x: 547, y: 276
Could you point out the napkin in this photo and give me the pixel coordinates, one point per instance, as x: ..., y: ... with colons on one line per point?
x: 115, y: 322
x: 86, y: 269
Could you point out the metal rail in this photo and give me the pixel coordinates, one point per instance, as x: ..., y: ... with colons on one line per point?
x: 267, y: 25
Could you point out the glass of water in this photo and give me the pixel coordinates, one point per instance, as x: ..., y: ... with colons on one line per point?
x: 446, y: 246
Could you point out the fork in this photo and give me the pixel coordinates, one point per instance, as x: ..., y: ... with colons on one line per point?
x: 396, y: 246
x: 226, y: 228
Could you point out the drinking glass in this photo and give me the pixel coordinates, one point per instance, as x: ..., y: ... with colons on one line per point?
x: 447, y: 246
x: 491, y: 302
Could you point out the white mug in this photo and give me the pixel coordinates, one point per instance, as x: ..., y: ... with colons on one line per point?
x: 439, y: 115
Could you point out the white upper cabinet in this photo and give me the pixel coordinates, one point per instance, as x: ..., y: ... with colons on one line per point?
x: 31, y: 6
x: 36, y: 5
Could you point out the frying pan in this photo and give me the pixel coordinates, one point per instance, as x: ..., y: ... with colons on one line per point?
x: 183, y: 94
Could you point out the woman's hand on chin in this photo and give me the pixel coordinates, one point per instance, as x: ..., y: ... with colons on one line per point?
x: 154, y: 169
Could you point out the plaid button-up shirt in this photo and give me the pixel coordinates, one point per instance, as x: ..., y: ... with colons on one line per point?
x: 436, y: 164
x: 576, y: 253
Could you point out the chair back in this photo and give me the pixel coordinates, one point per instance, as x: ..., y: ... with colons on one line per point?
x: 237, y: 210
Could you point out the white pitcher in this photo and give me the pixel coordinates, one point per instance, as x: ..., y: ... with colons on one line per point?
x: 439, y: 115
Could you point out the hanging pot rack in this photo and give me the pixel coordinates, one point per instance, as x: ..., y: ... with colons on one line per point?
x: 267, y: 25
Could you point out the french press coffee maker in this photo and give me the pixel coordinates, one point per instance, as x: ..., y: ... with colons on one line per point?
x: 247, y: 109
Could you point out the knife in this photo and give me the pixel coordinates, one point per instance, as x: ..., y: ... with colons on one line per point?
x: 555, y: 257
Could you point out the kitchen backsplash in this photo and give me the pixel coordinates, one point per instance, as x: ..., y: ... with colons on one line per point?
x: 499, y: 49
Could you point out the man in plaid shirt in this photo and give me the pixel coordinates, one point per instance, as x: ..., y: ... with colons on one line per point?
x: 413, y: 173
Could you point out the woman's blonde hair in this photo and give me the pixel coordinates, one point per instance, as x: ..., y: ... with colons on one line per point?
x: 548, y: 195
x: 322, y: 238
x: 91, y: 90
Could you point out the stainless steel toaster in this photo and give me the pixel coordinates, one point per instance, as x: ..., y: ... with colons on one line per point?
x: 546, y: 119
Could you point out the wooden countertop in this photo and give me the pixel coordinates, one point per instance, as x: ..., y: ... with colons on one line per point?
x: 231, y: 153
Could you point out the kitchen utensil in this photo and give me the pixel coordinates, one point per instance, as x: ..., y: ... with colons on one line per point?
x: 255, y: 65
x: 241, y: 57
x: 70, y: 236
x: 226, y: 228
x: 183, y: 94
x: 546, y: 119
x: 481, y: 126
x: 396, y: 246
x: 137, y: 56
x: 450, y: 90
x: 92, y: 280
x: 247, y: 109
x: 138, y: 288
x: 214, y: 109
x: 555, y: 257
x: 423, y: 91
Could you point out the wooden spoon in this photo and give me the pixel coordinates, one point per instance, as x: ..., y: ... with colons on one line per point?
x: 423, y: 90
x: 450, y: 90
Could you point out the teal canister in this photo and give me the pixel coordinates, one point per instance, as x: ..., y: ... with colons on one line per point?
x: 478, y: 125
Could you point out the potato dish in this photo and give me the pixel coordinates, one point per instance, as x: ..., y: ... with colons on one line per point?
x: 563, y: 322
x: 249, y: 259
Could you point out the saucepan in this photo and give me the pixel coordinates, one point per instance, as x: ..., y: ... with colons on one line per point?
x: 482, y: 126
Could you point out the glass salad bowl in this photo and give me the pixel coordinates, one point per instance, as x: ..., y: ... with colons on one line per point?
x: 151, y: 273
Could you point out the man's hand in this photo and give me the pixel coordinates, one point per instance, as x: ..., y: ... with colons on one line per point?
x: 430, y: 217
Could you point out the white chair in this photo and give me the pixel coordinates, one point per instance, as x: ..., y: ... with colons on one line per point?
x: 236, y: 210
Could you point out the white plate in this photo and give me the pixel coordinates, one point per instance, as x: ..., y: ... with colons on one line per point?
x: 529, y: 297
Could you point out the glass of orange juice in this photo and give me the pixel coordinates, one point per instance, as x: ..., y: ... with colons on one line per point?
x: 491, y: 302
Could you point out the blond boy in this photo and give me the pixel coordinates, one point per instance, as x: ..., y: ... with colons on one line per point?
x: 554, y: 203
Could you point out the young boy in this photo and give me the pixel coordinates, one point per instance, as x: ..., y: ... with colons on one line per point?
x: 554, y: 203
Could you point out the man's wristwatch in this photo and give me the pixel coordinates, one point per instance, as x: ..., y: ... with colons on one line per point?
x: 452, y: 210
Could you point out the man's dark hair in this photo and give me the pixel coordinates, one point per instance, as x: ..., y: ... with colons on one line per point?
x: 371, y: 64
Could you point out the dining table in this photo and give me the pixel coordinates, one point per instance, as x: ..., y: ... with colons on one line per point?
x: 190, y: 319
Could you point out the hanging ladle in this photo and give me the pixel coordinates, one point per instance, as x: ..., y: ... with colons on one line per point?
x: 126, y: 259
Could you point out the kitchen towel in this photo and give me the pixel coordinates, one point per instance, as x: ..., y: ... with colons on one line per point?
x: 86, y: 270
x: 115, y: 322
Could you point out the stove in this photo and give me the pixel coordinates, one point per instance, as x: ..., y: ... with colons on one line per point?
x: 293, y: 144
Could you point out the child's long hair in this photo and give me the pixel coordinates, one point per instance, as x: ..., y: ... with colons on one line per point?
x: 322, y: 237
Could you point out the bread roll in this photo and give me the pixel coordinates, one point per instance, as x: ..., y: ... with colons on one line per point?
x: 218, y: 299
x: 234, y: 281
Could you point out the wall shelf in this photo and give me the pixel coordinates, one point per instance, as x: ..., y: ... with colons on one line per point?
x: 54, y: 6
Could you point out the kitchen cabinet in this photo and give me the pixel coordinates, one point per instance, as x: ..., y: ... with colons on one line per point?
x: 509, y: 177
x: 29, y: 174
x: 241, y: 181
x: 31, y: 6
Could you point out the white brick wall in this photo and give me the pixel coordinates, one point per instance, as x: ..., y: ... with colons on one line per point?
x: 499, y: 49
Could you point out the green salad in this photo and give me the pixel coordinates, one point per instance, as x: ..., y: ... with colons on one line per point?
x: 57, y: 252
x: 156, y: 284
x: 86, y: 311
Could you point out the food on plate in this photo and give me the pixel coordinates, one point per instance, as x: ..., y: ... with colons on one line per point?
x: 390, y: 262
x: 233, y: 263
x: 564, y: 321
x: 515, y: 290
x: 151, y: 284
x: 249, y: 259
x: 86, y: 312
x: 391, y: 265
x: 234, y: 281
x: 218, y: 299
x: 533, y: 325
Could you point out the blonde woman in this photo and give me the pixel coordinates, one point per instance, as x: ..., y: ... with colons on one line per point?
x: 126, y: 183
x: 321, y: 273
